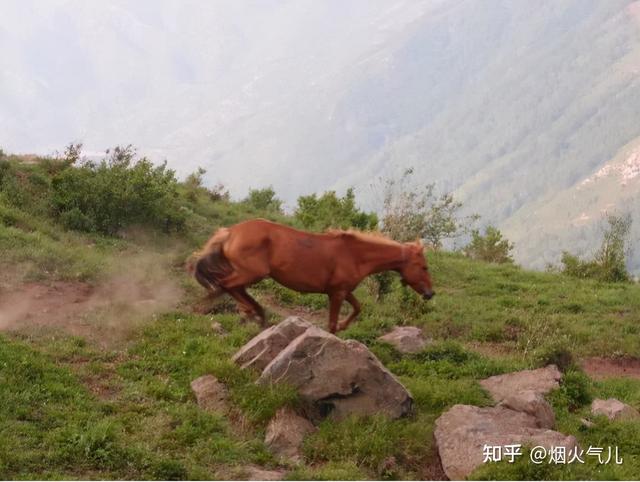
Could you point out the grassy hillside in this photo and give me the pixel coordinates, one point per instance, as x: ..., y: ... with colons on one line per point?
x: 80, y: 406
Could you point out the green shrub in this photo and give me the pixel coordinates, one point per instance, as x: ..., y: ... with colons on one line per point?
x: 264, y: 200
x: 117, y: 192
x: 491, y: 246
x: 609, y: 262
x: 330, y: 211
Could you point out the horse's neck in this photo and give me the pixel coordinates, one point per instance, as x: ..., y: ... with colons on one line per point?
x: 374, y: 257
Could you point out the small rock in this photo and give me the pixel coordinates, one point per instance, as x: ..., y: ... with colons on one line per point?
x: 534, y: 404
x: 210, y: 393
x: 586, y: 423
x: 406, y: 339
x: 263, y: 348
x: 462, y: 432
x: 251, y: 472
x: 337, y: 378
x: 541, y: 381
x: 286, y: 432
x: 614, y: 409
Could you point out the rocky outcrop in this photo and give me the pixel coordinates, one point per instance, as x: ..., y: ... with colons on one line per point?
x: 286, y: 432
x: 210, y: 394
x: 534, y: 404
x: 405, y: 339
x: 263, y: 348
x: 463, y: 431
x: 541, y: 381
x: 614, y: 409
x: 337, y: 378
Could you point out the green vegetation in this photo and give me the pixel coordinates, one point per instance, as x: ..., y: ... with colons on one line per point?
x: 491, y: 246
x: 330, y: 211
x: 412, y: 213
x: 74, y: 407
x: 609, y: 262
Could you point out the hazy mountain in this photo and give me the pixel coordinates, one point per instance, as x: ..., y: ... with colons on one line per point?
x: 513, y: 104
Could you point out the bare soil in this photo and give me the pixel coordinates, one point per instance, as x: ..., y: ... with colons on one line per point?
x: 105, y: 313
x: 600, y: 368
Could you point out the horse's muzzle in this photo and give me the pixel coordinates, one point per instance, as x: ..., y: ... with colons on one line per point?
x: 429, y: 295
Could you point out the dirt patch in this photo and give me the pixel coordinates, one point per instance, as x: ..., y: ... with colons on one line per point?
x: 600, y: 368
x: 105, y: 313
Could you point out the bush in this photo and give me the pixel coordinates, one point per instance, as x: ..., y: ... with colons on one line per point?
x: 609, y: 262
x: 117, y: 192
x: 330, y: 211
x: 491, y: 247
x: 418, y: 213
x: 264, y: 200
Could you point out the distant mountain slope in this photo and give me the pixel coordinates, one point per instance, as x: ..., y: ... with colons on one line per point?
x: 573, y: 218
x: 509, y: 102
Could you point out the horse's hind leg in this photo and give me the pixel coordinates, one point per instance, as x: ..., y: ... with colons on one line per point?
x: 249, y: 304
x: 353, y: 301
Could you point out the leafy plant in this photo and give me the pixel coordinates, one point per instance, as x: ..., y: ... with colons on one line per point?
x: 491, y: 246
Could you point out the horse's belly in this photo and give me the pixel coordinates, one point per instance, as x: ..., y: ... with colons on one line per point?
x: 300, y: 281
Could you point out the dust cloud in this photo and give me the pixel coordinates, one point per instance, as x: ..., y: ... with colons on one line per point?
x: 136, y: 288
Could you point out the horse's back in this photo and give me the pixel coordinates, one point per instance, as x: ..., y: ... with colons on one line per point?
x: 297, y: 259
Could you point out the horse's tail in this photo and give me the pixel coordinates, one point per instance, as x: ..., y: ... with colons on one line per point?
x: 210, y: 264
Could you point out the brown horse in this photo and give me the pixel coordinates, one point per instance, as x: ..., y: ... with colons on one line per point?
x: 333, y: 263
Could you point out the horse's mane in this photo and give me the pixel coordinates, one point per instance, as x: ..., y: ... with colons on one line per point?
x: 368, y: 236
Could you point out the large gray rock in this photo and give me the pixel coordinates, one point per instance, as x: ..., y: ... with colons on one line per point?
x: 541, y: 380
x: 263, y: 348
x: 462, y: 432
x: 534, y: 404
x: 337, y: 378
x: 405, y: 339
x: 286, y: 432
x: 210, y: 393
x: 614, y: 409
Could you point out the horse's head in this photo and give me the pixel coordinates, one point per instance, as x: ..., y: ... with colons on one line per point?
x: 415, y: 271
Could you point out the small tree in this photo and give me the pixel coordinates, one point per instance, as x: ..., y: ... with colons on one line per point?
x: 193, y: 183
x: 330, y: 211
x: 264, y: 200
x: 412, y: 213
x: 491, y: 247
x: 609, y: 262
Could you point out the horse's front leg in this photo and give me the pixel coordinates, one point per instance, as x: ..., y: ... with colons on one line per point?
x: 335, y: 302
x: 356, y: 311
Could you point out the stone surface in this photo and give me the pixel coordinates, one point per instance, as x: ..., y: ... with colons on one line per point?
x: 534, y: 404
x: 286, y: 432
x: 263, y: 348
x: 210, y: 393
x: 251, y: 472
x: 462, y: 432
x: 541, y: 380
x: 614, y: 409
x: 406, y: 339
x: 337, y: 378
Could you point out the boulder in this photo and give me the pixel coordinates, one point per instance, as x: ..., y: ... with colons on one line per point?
x: 263, y: 348
x: 462, y: 432
x: 614, y: 409
x: 405, y: 339
x: 210, y: 393
x: 534, y: 404
x: 286, y: 432
x: 541, y: 380
x: 337, y: 378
